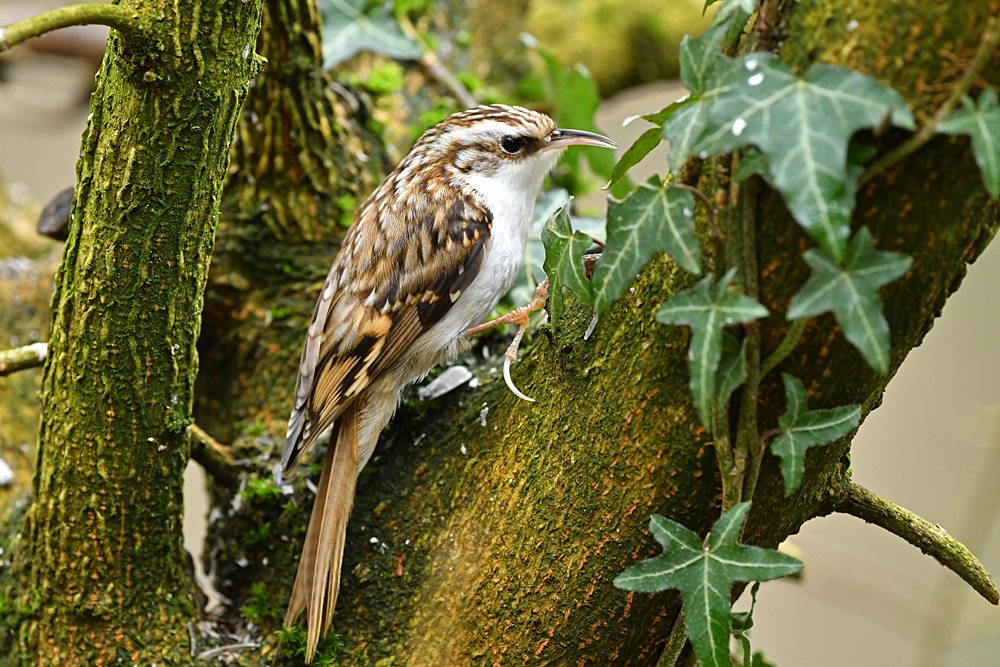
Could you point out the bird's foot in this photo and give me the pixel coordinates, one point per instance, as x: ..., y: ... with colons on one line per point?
x: 519, y: 316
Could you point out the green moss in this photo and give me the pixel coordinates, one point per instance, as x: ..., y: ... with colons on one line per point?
x: 385, y: 79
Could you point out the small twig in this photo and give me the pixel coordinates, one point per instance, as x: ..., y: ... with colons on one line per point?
x: 730, y: 470
x: 675, y: 643
x: 933, y: 540
x: 120, y: 18
x: 988, y: 43
x: 21, y: 358
x: 748, y: 444
x: 433, y: 65
x: 215, y: 458
x: 704, y: 200
x: 786, y: 346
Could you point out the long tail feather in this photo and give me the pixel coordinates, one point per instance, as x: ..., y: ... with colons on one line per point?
x: 317, y: 581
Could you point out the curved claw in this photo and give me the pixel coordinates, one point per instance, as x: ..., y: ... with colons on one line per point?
x: 510, y: 383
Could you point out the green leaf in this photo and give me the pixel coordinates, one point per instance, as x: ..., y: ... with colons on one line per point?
x: 349, y: 29
x: 760, y: 661
x: 803, y: 126
x: 730, y: 7
x: 684, y: 128
x: 752, y: 163
x: 802, y: 428
x: 661, y: 116
x: 983, y: 125
x: 549, y: 202
x: 851, y: 294
x: 705, y: 576
x: 707, y: 311
x: 576, y: 97
x: 649, y: 140
x: 732, y: 368
x: 700, y: 60
x: 654, y: 218
x: 743, y: 620
x: 563, y: 248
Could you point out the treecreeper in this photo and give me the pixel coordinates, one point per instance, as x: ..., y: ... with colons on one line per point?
x: 429, y: 256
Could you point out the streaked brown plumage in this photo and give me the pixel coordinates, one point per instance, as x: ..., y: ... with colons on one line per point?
x: 430, y: 254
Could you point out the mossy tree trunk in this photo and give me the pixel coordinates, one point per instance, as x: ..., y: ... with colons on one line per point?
x: 100, y: 574
x: 479, y: 536
x: 488, y: 531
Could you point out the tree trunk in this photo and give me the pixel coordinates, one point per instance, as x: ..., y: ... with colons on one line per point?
x: 488, y: 530
x: 100, y: 574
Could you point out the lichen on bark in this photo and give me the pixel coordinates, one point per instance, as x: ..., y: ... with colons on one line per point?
x: 99, y: 575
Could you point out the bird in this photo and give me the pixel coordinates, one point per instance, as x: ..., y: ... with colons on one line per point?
x: 429, y: 255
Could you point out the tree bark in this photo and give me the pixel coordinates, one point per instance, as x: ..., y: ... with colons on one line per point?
x: 99, y: 576
x: 486, y: 530
x: 497, y: 544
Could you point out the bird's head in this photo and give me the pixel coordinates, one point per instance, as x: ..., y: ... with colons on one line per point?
x: 508, y: 144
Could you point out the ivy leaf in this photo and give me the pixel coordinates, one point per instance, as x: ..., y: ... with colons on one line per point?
x: 661, y: 116
x: 983, y: 125
x: 654, y: 218
x: 753, y: 163
x: 851, y: 294
x: 803, y: 126
x: 349, y: 29
x: 649, y: 140
x: 548, y: 204
x: 729, y: 7
x: 685, y: 128
x: 732, y: 368
x: 563, y: 248
x: 743, y: 620
x: 700, y: 59
x: 707, y: 311
x: 802, y: 428
x: 705, y: 576
x: 760, y: 661
x: 577, y: 97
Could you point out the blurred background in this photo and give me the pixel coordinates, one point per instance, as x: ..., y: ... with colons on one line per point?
x: 866, y: 597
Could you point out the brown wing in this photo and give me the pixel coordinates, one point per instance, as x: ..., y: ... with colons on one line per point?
x: 399, y: 271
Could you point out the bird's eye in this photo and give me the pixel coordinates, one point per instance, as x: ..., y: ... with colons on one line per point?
x: 511, y: 144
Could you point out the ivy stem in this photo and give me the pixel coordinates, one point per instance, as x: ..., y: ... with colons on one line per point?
x: 22, y: 358
x: 730, y: 470
x: 856, y: 500
x: 748, y: 443
x: 989, y: 42
x: 786, y: 346
x: 120, y: 18
x: 709, y: 212
x: 675, y: 643
x: 215, y: 458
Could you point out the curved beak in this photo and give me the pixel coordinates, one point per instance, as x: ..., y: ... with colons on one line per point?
x: 564, y: 138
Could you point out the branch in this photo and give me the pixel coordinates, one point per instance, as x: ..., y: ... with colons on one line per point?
x: 675, y: 643
x: 748, y: 444
x: 988, y: 43
x: 114, y: 16
x: 933, y: 540
x: 433, y: 65
x: 786, y: 346
x: 215, y: 458
x: 21, y: 358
